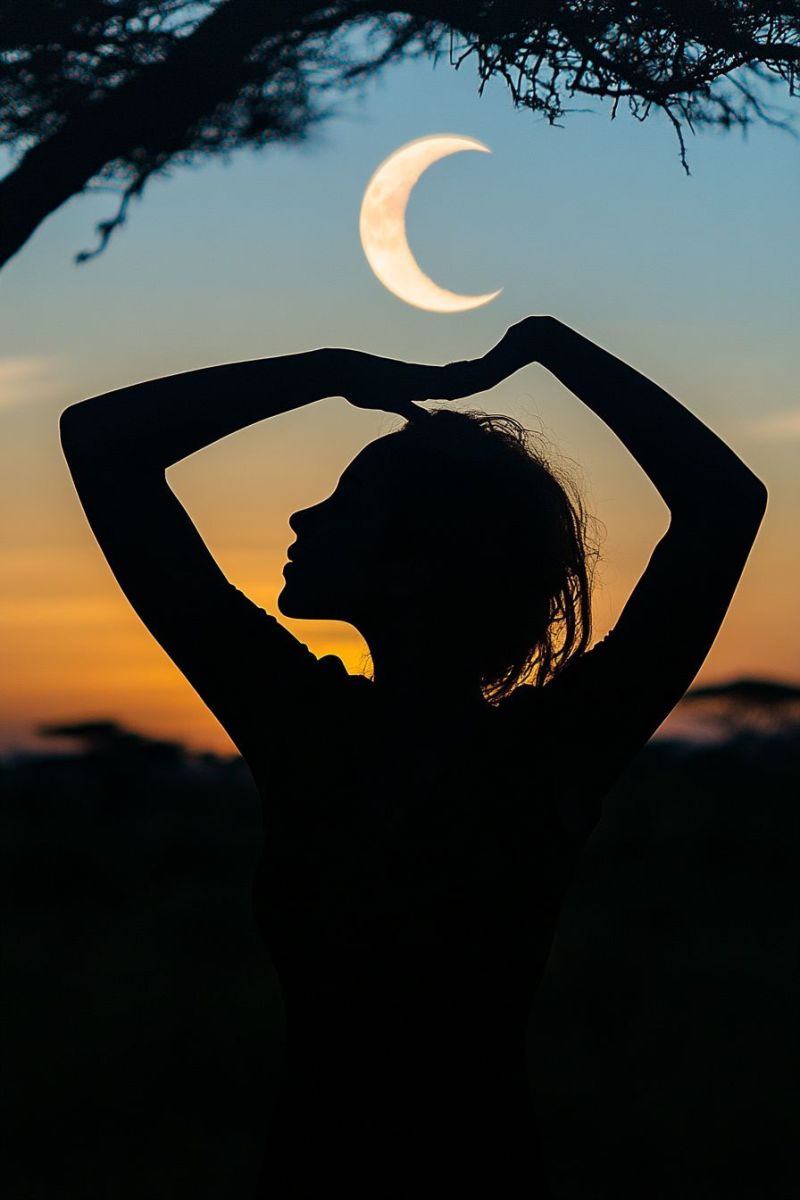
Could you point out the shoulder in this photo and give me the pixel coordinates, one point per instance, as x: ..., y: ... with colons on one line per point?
x: 333, y: 671
x: 272, y: 686
x: 263, y: 636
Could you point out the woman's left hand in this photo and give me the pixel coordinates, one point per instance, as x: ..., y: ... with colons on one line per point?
x: 368, y: 381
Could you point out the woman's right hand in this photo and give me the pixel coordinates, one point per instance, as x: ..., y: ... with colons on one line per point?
x: 528, y: 341
x: 525, y: 342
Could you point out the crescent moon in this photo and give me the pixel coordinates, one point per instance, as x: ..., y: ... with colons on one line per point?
x: 382, y: 224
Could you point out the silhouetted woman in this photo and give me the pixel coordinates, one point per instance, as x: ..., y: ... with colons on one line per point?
x: 421, y: 826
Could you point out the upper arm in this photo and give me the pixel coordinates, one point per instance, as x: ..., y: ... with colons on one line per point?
x: 607, y: 704
x: 245, y: 666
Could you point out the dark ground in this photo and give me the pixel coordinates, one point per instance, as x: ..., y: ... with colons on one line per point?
x: 143, y: 1023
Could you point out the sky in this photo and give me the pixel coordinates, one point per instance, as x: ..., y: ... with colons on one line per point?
x: 692, y: 280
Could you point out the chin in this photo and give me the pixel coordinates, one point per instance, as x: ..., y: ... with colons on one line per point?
x: 292, y: 603
x: 286, y: 604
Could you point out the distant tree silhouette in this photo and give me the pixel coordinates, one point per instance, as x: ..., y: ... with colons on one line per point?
x: 104, y: 94
x: 750, y: 705
x: 109, y: 738
x: 767, y: 692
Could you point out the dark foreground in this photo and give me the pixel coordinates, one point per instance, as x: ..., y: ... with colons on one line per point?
x: 143, y: 1024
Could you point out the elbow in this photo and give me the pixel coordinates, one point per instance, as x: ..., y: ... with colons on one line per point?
x: 748, y: 503
x: 761, y: 493
x: 738, y: 492
x: 81, y: 442
x: 736, y: 501
x: 744, y: 505
x: 741, y: 505
x: 70, y: 431
x: 92, y: 450
x: 750, y: 496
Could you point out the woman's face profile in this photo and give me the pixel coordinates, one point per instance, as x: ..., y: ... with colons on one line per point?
x: 337, y: 568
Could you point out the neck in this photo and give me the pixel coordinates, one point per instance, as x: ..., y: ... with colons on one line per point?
x: 416, y: 668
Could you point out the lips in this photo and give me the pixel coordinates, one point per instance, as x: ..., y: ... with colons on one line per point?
x: 291, y: 554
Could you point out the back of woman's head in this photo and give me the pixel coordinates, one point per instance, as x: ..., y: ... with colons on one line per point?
x: 503, y: 540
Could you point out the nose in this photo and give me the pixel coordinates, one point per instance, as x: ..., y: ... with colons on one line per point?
x: 298, y: 521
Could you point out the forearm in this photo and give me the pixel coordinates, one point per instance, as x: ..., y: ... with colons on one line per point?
x: 161, y: 421
x: 693, y: 469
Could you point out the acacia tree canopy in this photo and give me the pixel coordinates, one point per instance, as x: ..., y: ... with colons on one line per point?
x: 106, y: 93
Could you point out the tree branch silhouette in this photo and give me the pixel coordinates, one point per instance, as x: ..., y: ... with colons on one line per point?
x: 109, y: 93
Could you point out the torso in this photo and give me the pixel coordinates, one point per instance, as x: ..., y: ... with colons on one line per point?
x: 408, y: 893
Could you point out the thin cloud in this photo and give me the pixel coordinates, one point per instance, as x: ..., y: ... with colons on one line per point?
x: 24, y: 378
x: 777, y: 426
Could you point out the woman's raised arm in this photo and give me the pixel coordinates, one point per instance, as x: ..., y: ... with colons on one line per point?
x: 118, y: 447
x: 696, y: 474
x: 608, y: 702
x: 157, y: 423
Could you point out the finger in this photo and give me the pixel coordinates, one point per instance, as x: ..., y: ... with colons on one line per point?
x: 409, y: 410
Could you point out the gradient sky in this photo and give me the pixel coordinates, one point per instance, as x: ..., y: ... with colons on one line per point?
x: 692, y: 280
